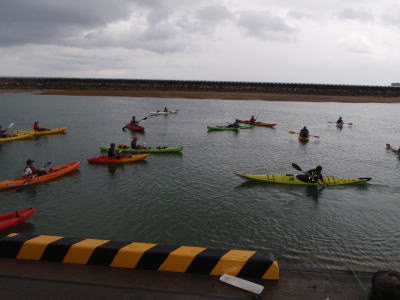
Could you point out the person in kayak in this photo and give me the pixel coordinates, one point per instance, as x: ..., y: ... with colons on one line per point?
x: 235, y: 124
x: 312, y: 175
x: 113, y: 152
x: 3, y: 133
x: 339, y: 122
x: 134, y: 122
x: 252, y: 120
x: 304, y: 132
x: 135, y: 145
x: 37, y: 127
x: 31, y: 171
x: 165, y: 109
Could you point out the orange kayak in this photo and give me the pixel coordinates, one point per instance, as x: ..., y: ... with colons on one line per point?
x: 256, y: 123
x: 111, y: 160
x: 50, y: 174
x: 14, y: 218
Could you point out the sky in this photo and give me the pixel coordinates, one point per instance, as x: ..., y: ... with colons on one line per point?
x: 306, y: 41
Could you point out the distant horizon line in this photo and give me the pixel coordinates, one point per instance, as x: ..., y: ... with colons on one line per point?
x: 197, y: 80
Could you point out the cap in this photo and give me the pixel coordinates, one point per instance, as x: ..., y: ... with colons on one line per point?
x: 28, y: 161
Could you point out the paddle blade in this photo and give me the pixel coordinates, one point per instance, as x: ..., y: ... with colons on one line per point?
x: 316, y: 136
x: 11, y: 125
x: 293, y: 132
x: 296, y: 166
x: 350, y: 123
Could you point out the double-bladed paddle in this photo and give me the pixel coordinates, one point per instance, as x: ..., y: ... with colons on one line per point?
x: 330, y: 122
x: 294, y: 132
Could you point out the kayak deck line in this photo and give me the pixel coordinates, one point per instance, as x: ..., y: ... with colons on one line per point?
x: 135, y: 255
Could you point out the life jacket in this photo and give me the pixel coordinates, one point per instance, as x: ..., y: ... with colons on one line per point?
x: 36, y: 126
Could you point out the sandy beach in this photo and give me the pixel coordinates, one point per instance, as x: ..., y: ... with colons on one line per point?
x: 211, y: 95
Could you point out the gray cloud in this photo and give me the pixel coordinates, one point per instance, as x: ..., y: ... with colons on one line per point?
x: 48, y: 21
x: 358, y: 14
x: 262, y: 24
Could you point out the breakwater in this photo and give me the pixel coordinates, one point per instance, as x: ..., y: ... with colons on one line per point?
x: 206, y: 86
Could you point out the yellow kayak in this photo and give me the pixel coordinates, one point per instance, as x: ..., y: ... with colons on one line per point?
x: 293, y: 179
x: 17, y: 136
x: 44, y: 132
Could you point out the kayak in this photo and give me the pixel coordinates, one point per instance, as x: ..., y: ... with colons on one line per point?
x: 156, y: 113
x: 50, y: 174
x: 304, y: 139
x: 388, y: 147
x: 45, y: 132
x: 14, y: 218
x: 256, y: 123
x: 292, y: 179
x: 146, y: 150
x: 16, y: 136
x: 219, y: 128
x: 133, y: 127
x: 110, y: 160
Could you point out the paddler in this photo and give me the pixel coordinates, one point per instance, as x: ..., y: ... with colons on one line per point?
x: 134, y: 122
x: 304, y: 132
x: 252, y: 120
x: 165, y: 109
x: 339, y: 122
x: 3, y: 133
x: 113, y: 152
x: 315, y: 174
x: 235, y: 124
x: 36, y: 127
x: 30, y: 170
x: 134, y: 144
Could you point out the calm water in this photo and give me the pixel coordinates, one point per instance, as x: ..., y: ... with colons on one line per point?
x: 194, y: 198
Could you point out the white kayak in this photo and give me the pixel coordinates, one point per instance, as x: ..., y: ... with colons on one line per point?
x: 156, y: 113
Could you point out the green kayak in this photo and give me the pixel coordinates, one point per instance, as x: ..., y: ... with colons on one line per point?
x: 219, y: 128
x: 147, y: 150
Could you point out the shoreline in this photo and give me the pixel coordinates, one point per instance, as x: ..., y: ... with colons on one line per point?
x: 241, y: 96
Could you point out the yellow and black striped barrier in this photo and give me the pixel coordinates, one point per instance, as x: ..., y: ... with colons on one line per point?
x: 140, y: 255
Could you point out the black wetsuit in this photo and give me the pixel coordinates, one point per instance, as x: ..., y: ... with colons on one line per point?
x: 111, y: 152
x: 304, y: 133
x: 312, y: 176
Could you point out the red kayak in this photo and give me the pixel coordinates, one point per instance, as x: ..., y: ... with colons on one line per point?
x: 133, y: 127
x: 111, y: 160
x: 14, y: 218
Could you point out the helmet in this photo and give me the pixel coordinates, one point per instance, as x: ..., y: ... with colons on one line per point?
x: 304, y: 127
x: 135, y: 138
x: 319, y: 168
x: 28, y: 161
x: 112, y: 144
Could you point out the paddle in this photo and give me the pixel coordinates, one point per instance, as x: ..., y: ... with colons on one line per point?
x: 329, y: 122
x: 293, y: 132
x: 297, y: 167
x: 11, y: 125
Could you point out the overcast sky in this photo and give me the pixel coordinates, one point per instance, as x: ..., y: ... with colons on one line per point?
x: 307, y: 41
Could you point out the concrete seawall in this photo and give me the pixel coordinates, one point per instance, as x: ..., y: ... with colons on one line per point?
x: 183, y: 259
x: 204, y: 86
